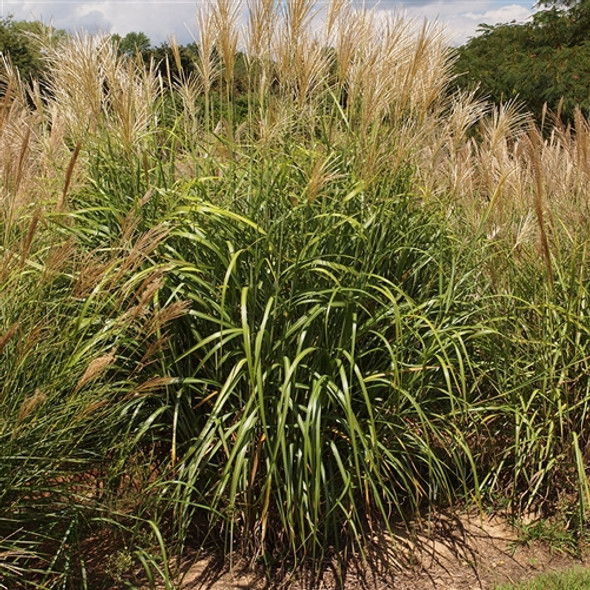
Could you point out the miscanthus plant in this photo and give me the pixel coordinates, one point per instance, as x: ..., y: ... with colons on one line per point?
x: 276, y: 329
x: 319, y: 371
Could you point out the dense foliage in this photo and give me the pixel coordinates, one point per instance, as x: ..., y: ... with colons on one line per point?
x: 546, y: 60
x: 22, y: 42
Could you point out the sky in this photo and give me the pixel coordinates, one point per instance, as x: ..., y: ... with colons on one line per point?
x: 159, y: 19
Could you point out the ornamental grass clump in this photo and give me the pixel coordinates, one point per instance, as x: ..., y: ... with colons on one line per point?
x: 79, y: 348
x: 318, y: 372
x: 273, y: 318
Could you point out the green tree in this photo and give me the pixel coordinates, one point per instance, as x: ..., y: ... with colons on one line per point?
x: 132, y: 43
x: 23, y: 42
x: 19, y: 48
x: 546, y: 60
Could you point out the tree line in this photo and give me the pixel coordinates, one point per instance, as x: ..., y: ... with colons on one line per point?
x: 23, y: 42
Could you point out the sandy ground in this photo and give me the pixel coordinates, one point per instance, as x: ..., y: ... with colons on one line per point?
x: 452, y: 553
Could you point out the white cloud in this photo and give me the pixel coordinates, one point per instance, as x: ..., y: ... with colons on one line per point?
x: 94, y: 21
x: 505, y: 14
x: 159, y: 19
x: 461, y: 21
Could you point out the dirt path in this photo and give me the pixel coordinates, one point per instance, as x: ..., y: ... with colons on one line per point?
x: 458, y: 553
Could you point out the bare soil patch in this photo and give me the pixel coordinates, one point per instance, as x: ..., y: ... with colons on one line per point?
x: 465, y: 552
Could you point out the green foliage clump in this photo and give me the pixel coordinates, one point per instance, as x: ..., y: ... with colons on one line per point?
x: 22, y: 43
x: 546, y: 60
x: 574, y: 579
x: 132, y: 43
